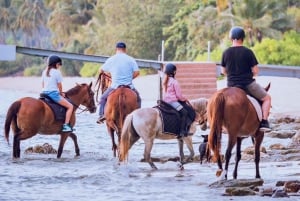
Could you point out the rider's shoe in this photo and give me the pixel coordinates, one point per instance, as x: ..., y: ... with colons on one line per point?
x: 264, y: 126
x: 101, y: 119
x: 66, y: 128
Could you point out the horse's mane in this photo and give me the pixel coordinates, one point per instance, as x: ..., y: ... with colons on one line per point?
x: 74, y: 90
x: 200, y: 103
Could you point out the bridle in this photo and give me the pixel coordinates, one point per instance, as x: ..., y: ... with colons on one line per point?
x: 99, y: 83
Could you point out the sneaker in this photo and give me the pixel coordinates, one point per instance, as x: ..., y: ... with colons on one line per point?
x: 264, y: 125
x: 66, y: 128
x: 101, y: 119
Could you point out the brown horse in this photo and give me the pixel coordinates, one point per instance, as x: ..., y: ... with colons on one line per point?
x: 146, y: 123
x: 29, y: 116
x: 230, y: 109
x: 120, y: 103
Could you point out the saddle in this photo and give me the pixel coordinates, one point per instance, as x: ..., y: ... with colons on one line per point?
x: 58, y: 110
x: 171, y: 118
x: 255, y: 102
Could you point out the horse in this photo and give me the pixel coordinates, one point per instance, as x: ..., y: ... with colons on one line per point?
x: 146, y: 123
x: 29, y: 116
x: 231, y: 110
x: 120, y: 103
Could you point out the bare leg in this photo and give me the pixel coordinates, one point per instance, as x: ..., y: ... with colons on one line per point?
x: 266, y: 105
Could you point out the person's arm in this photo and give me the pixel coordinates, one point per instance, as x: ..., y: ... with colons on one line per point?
x: 178, y: 92
x: 59, y: 85
x: 223, y: 71
x: 135, y: 74
x: 255, y: 70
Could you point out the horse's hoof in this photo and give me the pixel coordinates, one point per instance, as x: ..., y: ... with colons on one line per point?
x: 218, y: 173
x: 180, y: 166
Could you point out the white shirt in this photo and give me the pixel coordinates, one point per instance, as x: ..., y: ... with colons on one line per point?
x: 50, y: 83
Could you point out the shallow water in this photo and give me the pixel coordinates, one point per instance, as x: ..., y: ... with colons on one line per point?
x: 96, y: 175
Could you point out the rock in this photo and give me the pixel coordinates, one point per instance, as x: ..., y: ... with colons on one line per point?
x: 250, y: 150
x: 292, y: 186
x: 296, y: 138
x: 239, y: 191
x: 44, y: 149
x: 281, y: 134
x: 277, y: 146
x: 238, y: 183
x: 279, y: 193
x: 266, y: 191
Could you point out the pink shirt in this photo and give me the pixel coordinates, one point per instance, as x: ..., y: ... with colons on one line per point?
x: 173, y: 92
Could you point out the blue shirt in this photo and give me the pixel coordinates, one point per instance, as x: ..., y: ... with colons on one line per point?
x: 121, y: 67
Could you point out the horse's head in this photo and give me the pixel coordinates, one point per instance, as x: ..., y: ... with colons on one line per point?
x: 83, y: 94
x: 200, y: 107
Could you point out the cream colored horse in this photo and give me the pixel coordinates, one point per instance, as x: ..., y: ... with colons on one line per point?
x: 146, y: 123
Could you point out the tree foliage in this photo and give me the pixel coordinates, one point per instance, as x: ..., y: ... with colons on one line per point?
x: 94, y: 26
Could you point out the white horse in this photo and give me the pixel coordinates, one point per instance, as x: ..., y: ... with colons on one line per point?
x: 146, y: 123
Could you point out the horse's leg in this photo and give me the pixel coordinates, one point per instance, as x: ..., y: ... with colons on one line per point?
x: 147, y: 153
x: 258, y: 140
x: 238, y: 156
x: 74, y: 138
x: 63, y: 138
x: 16, y: 146
x: 180, y: 147
x: 188, y: 141
x: 114, y: 145
x: 231, y: 143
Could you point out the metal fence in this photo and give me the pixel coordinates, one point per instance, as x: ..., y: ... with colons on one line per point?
x: 266, y: 70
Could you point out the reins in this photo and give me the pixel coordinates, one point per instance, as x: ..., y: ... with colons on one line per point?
x: 99, y: 83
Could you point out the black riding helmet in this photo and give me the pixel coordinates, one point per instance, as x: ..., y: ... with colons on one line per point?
x: 237, y: 33
x: 170, y: 69
x: 53, y: 60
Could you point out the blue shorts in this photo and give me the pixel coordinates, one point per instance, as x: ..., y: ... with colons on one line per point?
x: 54, y: 95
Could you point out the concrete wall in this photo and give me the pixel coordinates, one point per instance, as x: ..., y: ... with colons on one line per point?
x: 197, y: 79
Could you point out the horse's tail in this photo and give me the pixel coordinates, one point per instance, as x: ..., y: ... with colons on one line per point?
x: 11, y: 118
x: 216, y: 115
x: 128, y: 137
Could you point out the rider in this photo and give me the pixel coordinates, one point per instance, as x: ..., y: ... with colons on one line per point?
x: 52, y: 87
x: 240, y: 65
x: 123, y: 70
x: 172, y: 95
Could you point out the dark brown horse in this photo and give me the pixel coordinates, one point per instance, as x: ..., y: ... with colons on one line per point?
x: 29, y: 116
x: 120, y: 103
x: 231, y: 110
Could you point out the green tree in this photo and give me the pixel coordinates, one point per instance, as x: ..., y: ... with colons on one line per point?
x: 283, y: 52
x: 31, y: 20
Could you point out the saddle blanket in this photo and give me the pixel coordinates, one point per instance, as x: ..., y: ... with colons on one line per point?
x: 58, y: 110
x: 171, y: 120
x: 257, y: 107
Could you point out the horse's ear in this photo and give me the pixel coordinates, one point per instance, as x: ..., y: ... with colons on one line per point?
x: 90, y: 86
x: 268, y: 86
